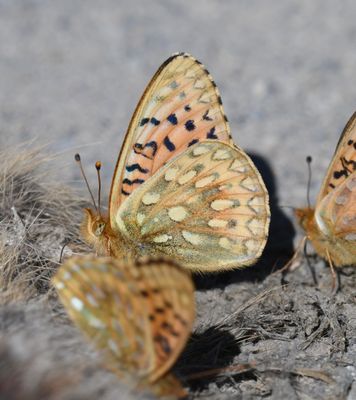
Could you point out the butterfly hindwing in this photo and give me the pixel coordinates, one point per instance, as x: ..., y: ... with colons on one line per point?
x: 180, y: 107
x: 207, y: 208
x: 140, y: 315
x: 336, y: 214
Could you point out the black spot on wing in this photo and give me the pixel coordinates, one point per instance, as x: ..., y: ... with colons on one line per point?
x: 339, y: 174
x: 168, y: 327
x: 353, y: 167
x: 211, y: 134
x: 349, y: 163
x: 155, y: 121
x: 130, y: 182
x: 163, y: 343
x: 173, y: 85
x: 133, y: 167
x: 144, y: 121
x: 232, y: 223
x: 193, y: 142
x: 124, y: 192
x: 139, y: 148
x: 170, y: 146
x: 187, y: 108
x: 348, y: 167
x: 206, y: 116
x: 172, y: 118
x: 189, y: 125
x: 219, y: 100
x: 168, y: 304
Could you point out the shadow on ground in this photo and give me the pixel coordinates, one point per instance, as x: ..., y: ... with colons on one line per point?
x: 207, y: 353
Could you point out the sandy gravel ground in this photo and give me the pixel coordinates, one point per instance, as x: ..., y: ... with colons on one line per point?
x: 71, y: 73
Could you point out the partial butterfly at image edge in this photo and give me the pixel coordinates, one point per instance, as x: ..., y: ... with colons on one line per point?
x: 331, y: 226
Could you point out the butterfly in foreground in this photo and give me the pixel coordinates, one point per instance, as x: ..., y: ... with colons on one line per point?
x: 139, y: 315
x: 181, y: 188
x: 331, y: 226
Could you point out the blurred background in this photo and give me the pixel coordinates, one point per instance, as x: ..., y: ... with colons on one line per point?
x: 72, y: 72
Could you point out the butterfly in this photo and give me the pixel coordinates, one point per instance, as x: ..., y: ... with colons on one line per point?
x: 181, y: 188
x: 331, y: 225
x: 139, y: 315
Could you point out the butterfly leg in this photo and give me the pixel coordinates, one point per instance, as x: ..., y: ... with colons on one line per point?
x: 235, y: 369
x: 310, y: 266
x: 334, y: 286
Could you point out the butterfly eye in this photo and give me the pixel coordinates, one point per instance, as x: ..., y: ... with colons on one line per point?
x: 98, y: 228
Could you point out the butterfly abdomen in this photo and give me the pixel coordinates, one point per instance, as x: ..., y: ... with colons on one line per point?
x: 341, y: 253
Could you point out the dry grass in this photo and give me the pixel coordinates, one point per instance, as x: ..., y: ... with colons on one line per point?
x: 38, y: 216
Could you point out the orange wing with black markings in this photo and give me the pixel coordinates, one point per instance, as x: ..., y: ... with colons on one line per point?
x: 138, y: 314
x: 180, y: 107
x: 343, y: 163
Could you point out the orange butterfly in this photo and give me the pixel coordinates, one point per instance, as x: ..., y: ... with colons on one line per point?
x: 180, y: 187
x: 139, y: 315
x: 331, y: 226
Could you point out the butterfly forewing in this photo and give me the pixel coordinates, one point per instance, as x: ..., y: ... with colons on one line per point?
x: 180, y: 107
x: 207, y: 208
x: 343, y: 163
x: 137, y: 314
x: 100, y: 299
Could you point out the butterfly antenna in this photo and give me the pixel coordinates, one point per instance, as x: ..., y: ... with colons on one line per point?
x: 309, y: 161
x: 98, y: 167
x: 78, y: 160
